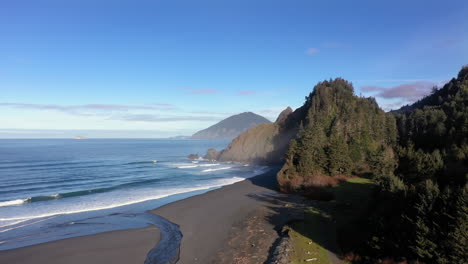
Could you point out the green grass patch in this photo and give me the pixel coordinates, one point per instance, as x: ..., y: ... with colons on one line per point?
x: 352, y: 200
x: 302, y: 232
x: 350, y: 208
x: 333, y: 225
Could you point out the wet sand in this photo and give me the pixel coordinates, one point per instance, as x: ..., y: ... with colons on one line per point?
x: 127, y: 246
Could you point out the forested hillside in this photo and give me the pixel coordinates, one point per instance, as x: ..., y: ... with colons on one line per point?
x: 418, y: 156
x: 422, y: 208
x: 340, y: 135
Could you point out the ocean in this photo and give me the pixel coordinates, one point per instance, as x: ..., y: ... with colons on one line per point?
x: 53, y: 189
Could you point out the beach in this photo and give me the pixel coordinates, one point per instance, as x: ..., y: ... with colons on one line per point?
x: 232, y: 224
x: 127, y: 246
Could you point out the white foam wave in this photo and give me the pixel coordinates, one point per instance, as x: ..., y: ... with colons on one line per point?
x: 218, y: 183
x: 218, y: 169
x: 209, y: 165
x: 178, y: 164
x: 9, y: 224
x: 187, y: 166
x: 20, y: 226
x: 13, y: 202
x: 198, y: 165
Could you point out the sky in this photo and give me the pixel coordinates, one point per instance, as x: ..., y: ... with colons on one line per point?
x: 163, y: 68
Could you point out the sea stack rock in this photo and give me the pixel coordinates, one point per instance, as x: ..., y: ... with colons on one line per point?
x: 212, y: 154
x: 193, y: 156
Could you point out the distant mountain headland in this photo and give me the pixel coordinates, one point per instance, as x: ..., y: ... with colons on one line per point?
x: 231, y: 127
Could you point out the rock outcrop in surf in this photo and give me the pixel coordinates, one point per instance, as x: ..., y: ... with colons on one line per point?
x: 212, y: 154
x: 193, y: 156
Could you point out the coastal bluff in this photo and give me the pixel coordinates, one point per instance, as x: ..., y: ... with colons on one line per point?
x: 265, y: 143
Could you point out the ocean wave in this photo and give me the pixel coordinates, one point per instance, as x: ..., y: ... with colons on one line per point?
x: 42, y: 198
x: 29, y: 165
x: 217, y: 169
x: 198, y: 165
x: 13, y: 202
x: 39, y: 199
x: 187, y: 166
x: 142, y: 162
x: 209, y: 165
x: 176, y: 191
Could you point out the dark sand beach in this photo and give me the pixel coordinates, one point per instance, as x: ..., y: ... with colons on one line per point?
x: 127, y: 246
x: 233, y: 224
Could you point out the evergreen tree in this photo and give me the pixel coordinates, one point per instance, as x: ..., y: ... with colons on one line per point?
x: 337, y: 135
x: 432, y: 225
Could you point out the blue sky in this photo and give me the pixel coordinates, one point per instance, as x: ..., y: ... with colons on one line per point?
x: 164, y: 68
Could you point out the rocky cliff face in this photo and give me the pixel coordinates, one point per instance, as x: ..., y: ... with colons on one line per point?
x: 284, y: 114
x: 265, y: 143
x: 231, y: 127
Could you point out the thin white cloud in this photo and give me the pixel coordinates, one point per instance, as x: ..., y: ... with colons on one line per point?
x: 394, y: 97
x: 408, y: 91
x: 192, y: 90
x: 394, y: 80
x: 91, y: 133
x: 312, y: 51
x: 212, y: 113
x: 248, y: 92
x: 111, y: 107
x: 159, y: 118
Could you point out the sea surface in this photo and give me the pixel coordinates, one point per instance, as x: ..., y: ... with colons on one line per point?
x: 52, y: 189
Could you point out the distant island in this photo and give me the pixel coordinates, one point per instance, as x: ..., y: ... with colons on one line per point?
x: 179, y: 137
x: 231, y: 127
x: 80, y: 137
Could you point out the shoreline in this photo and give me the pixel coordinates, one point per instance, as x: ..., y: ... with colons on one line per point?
x: 208, y: 223
x: 67, y: 224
